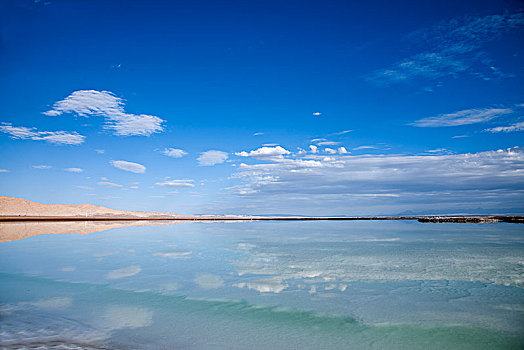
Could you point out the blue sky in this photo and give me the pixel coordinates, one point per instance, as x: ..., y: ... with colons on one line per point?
x: 293, y: 107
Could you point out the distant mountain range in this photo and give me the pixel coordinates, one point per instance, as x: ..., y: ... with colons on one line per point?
x: 18, y: 210
x: 10, y: 206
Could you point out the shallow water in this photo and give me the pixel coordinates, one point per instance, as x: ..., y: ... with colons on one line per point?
x: 260, y: 285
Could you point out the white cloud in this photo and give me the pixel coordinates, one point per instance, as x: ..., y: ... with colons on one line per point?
x: 74, y: 170
x: 464, y: 117
x: 265, y: 152
x: 109, y: 184
x: 131, y: 124
x: 18, y: 132
x: 56, y: 137
x: 212, y: 157
x: 42, y: 166
x: 174, y: 152
x: 330, y: 150
x: 342, y: 150
x: 4, y: 171
x: 325, y: 142
x: 510, y: 128
x: 328, y: 143
x: 100, y: 151
x: 438, y: 150
x: 128, y: 166
x: 491, y: 178
x: 363, y: 147
x: 61, y: 137
x: 88, y: 103
x: 313, y: 148
x: 84, y: 187
x: 317, y: 114
x: 450, y: 48
x: 176, y: 183
x: 258, y: 134
x: 123, y: 272
x: 342, y: 132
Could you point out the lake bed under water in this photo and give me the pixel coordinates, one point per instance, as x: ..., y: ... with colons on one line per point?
x: 265, y: 285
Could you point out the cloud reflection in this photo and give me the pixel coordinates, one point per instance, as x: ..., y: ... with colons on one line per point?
x: 209, y: 281
x: 123, y: 272
x: 119, y: 317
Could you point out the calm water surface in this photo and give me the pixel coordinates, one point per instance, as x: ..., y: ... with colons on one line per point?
x: 264, y: 285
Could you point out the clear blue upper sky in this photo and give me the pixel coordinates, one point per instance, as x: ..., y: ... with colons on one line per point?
x: 264, y: 107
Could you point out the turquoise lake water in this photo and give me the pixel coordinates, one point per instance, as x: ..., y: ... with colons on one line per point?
x: 266, y: 285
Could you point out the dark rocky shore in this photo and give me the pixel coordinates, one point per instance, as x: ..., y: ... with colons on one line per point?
x: 474, y: 219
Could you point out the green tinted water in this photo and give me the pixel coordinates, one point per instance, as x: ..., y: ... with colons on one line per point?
x: 262, y: 285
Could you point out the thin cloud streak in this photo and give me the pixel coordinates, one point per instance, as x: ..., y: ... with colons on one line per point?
x: 448, y: 50
x: 176, y: 183
x: 328, y: 143
x: 55, y: 137
x: 363, y: 147
x: 341, y: 133
x: 510, y: 128
x: 109, y: 184
x: 464, y: 117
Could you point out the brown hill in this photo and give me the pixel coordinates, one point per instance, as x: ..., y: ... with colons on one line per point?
x: 10, y: 206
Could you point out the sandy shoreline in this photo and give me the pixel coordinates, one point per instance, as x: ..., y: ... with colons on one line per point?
x: 432, y: 219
